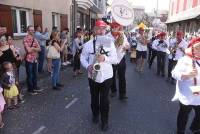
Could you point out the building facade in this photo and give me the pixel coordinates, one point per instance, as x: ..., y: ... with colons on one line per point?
x: 16, y: 15
x: 86, y: 12
x: 184, y: 15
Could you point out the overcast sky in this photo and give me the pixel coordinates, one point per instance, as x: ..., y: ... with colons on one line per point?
x: 150, y: 4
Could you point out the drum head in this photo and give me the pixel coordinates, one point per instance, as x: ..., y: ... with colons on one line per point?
x: 122, y: 12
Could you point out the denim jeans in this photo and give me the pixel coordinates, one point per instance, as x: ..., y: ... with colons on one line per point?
x: 31, y: 74
x: 41, y: 59
x: 55, y: 72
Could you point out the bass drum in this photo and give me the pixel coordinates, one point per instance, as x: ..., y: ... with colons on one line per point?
x: 122, y: 12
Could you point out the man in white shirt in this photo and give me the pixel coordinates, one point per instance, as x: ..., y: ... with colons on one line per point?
x: 121, y: 44
x: 141, y: 53
x: 153, y: 50
x: 161, y: 45
x: 186, y: 72
x: 177, y: 50
x: 97, y: 57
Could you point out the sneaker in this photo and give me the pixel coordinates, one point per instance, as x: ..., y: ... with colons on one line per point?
x: 39, y: 90
x: 32, y: 93
x: 59, y: 85
x: 123, y: 97
x: 168, y: 79
x: 113, y: 94
x: 79, y: 72
x: 16, y: 106
x: 64, y: 64
x: 95, y: 119
x: 2, y: 125
x: 56, y: 88
x: 68, y: 63
x: 104, y: 127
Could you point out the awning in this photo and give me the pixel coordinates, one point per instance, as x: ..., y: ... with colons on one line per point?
x: 85, y: 4
x: 88, y: 4
x: 185, y: 15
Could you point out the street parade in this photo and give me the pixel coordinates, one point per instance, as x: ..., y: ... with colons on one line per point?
x: 100, y: 66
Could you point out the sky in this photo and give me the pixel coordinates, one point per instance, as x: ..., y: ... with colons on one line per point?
x: 150, y: 4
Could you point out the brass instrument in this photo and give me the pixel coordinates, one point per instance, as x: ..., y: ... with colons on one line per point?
x: 173, y: 49
x: 96, y: 66
x: 120, y: 39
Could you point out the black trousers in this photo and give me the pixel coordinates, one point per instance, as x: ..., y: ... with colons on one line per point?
x: 77, y: 62
x: 161, y: 58
x: 183, y: 115
x: 171, y: 65
x: 150, y: 54
x: 119, y: 69
x: 153, y: 56
x: 100, y: 98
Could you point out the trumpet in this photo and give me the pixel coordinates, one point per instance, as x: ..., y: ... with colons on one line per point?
x: 96, y: 66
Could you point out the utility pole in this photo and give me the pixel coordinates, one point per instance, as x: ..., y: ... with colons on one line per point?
x: 157, y: 9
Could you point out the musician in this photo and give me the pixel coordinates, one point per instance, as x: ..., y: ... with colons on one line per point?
x: 121, y: 44
x: 153, y: 50
x: 187, y: 74
x: 141, y: 49
x: 176, y: 47
x: 100, y: 85
x: 161, y: 45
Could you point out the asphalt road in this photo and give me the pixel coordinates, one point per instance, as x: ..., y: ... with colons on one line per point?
x: 148, y: 110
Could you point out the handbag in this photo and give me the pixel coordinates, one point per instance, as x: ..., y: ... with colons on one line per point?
x: 52, y: 53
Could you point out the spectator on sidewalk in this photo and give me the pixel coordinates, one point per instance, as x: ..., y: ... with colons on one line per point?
x: 3, y: 30
x: 9, y: 86
x: 2, y: 104
x: 77, y: 48
x: 7, y: 53
x: 32, y: 49
x: 54, y: 59
x: 41, y: 38
x: 16, y: 65
x: 65, y: 40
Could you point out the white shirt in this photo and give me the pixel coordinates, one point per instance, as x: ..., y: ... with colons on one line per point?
x: 183, y: 91
x: 120, y: 52
x: 160, y: 45
x: 88, y: 58
x: 77, y: 45
x: 140, y: 46
x: 183, y: 44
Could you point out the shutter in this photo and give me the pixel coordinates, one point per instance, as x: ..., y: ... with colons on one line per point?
x: 185, y: 5
x: 64, y: 21
x: 37, y: 16
x: 194, y: 3
x: 6, y: 18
